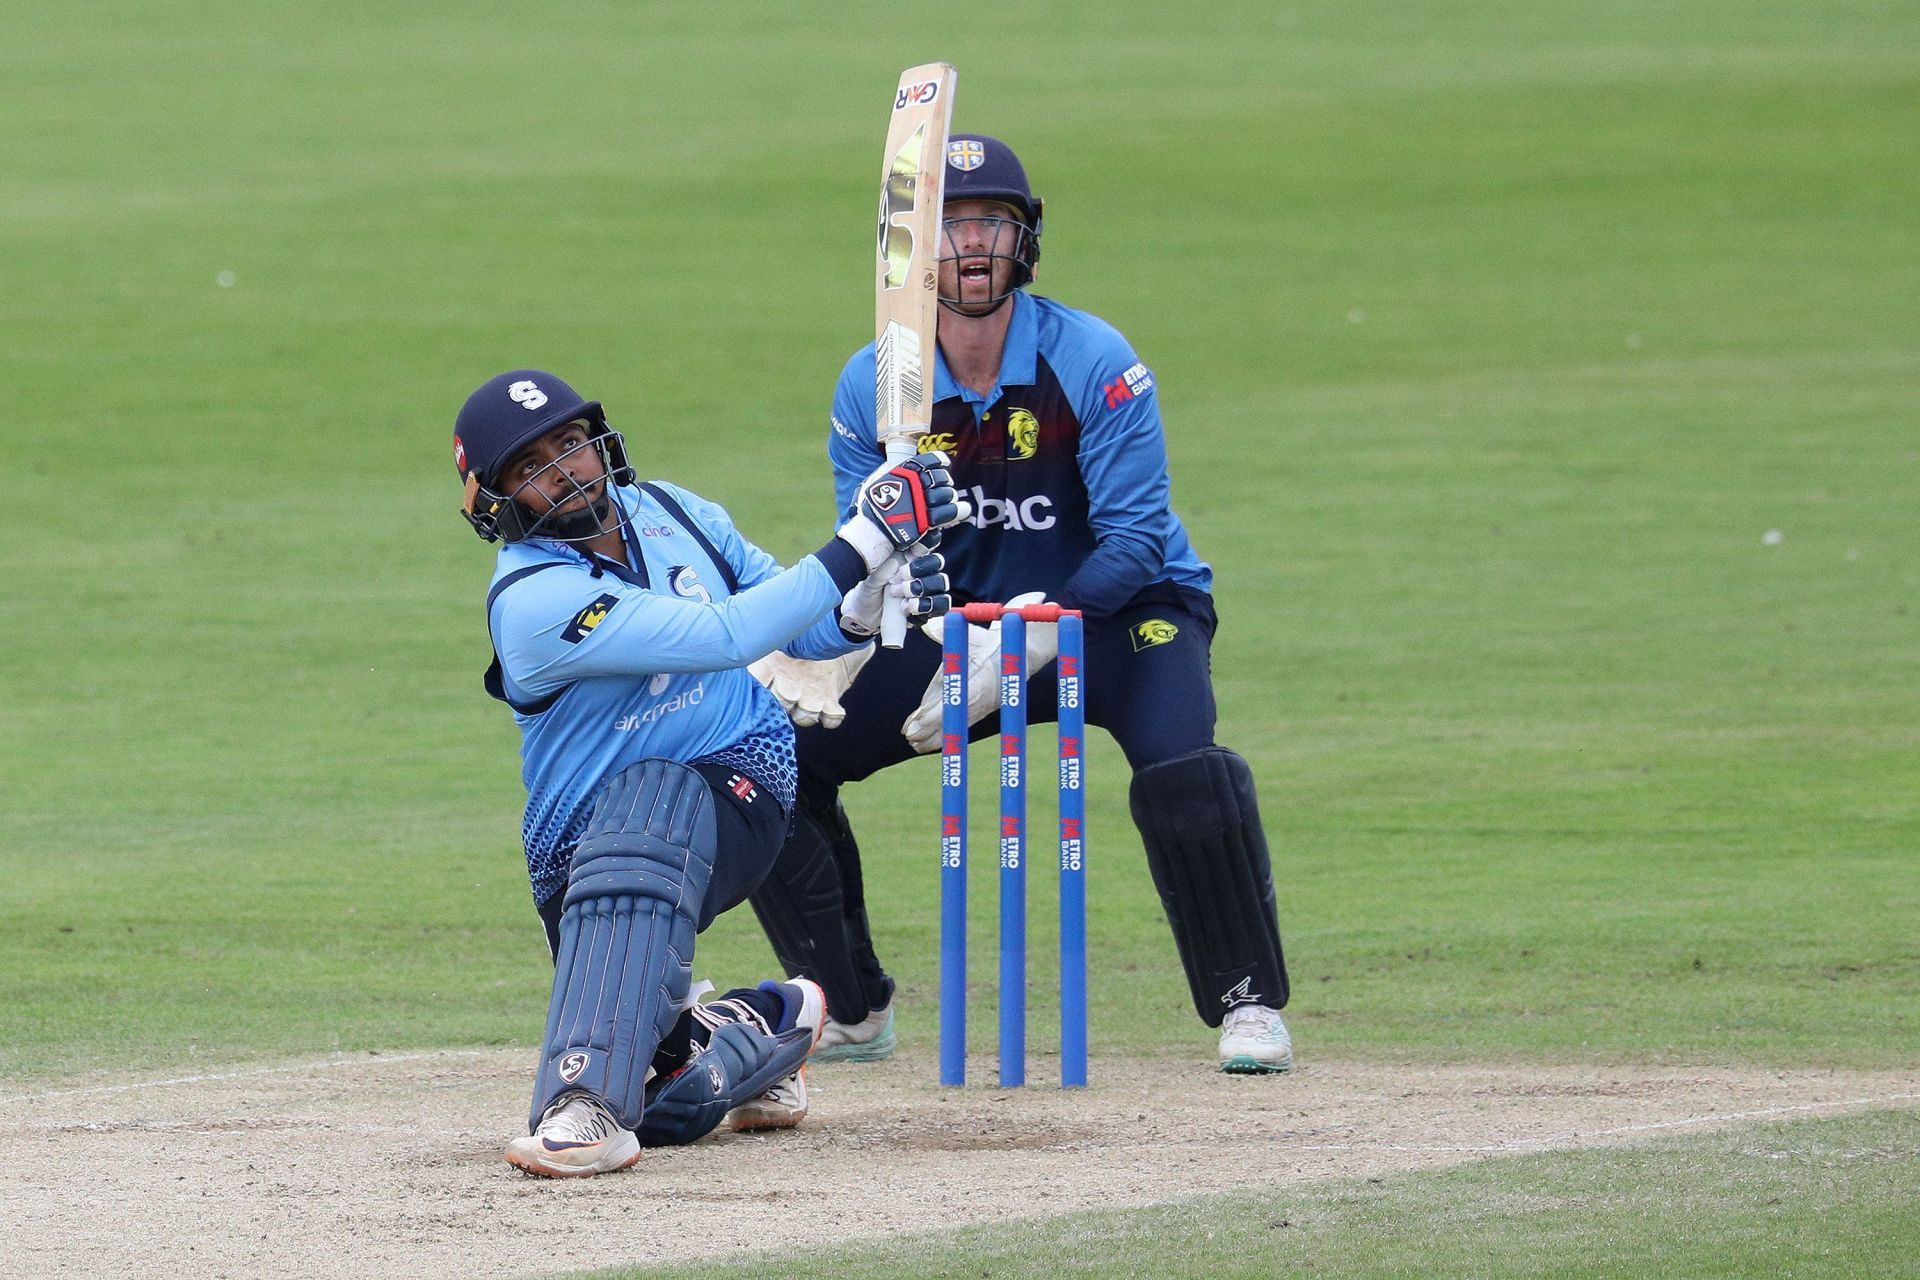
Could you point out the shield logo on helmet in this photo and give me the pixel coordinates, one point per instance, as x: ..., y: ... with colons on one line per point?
x: 966, y: 155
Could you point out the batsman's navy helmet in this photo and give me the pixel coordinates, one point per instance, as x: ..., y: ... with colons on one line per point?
x: 507, y: 413
x: 984, y: 168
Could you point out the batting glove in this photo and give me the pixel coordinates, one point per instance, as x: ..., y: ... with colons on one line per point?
x: 900, y: 504
x: 921, y: 583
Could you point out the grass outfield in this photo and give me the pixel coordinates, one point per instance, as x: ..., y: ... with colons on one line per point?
x: 1811, y: 1198
x: 1540, y: 380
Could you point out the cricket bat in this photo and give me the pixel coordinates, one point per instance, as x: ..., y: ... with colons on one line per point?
x: 906, y: 293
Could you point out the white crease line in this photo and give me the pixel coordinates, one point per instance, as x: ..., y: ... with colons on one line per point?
x: 329, y: 1064
x: 1724, y: 1116
x: 1576, y: 1138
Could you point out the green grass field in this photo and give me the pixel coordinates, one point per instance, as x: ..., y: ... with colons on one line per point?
x: 1540, y: 380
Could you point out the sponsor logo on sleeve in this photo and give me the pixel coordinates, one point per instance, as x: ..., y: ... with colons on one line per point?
x: 1152, y: 632
x: 1023, y: 435
x: 842, y: 429
x: 1135, y: 382
x: 588, y: 618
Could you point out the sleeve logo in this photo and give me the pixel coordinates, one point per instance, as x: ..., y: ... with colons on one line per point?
x: 1136, y: 381
x: 588, y: 618
x: 1152, y: 632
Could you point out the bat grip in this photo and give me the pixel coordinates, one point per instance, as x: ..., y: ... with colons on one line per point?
x: 893, y: 610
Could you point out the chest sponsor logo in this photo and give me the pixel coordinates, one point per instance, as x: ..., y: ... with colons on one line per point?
x: 678, y: 702
x: 685, y: 581
x: 1023, y: 435
x: 1153, y: 631
x: 656, y: 531
x: 588, y: 618
x: 940, y: 440
x: 1021, y: 514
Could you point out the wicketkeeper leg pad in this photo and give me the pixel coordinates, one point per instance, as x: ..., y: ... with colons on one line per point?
x: 1200, y: 822
x: 640, y: 873
x: 802, y: 905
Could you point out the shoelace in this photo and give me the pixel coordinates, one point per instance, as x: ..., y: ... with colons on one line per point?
x: 582, y: 1122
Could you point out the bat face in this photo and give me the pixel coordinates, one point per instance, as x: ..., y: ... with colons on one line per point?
x: 906, y: 279
x: 898, y: 195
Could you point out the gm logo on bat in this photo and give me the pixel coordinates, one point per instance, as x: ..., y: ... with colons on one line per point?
x: 916, y: 95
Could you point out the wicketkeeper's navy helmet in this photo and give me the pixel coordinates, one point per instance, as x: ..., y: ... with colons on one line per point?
x: 984, y: 168
x: 505, y: 415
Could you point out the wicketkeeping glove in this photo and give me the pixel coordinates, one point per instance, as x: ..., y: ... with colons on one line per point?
x: 900, y: 504
x: 922, y: 729
x: 920, y: 582
x: 811, y: 691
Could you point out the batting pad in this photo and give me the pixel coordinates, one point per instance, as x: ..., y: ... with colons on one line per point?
x: 627, y: 927
x: 1200, y: 822
x: 740, y: 1062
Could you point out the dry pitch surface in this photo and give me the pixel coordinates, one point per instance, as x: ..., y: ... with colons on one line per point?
x: 384, y: 1165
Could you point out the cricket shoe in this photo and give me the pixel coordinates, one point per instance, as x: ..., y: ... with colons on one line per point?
x: 785, y: 1105
x: 577, y: 1138
x: 1254, y: 1041
x: 869, y: 1040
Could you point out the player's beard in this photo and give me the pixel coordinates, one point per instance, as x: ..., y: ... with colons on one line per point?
x: 587, y: 523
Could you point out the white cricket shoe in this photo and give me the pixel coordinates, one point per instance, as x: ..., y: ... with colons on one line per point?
x: 1254, y: 1041
x: 869, y: 1040
x: 785, y: 1105
x: 577, y: 1138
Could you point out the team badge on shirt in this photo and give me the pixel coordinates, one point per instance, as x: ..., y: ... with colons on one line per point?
x: 1152, y: 632
x: 1023, y: 435
x: 588, y: 618
x: 685, y: 581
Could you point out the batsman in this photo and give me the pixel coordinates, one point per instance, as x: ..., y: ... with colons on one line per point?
x: 659, y: 775
x: 1053, y: 427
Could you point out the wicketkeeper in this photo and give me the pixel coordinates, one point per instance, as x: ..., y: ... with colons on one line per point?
x: 1053, y: 427
x: 660, y: 775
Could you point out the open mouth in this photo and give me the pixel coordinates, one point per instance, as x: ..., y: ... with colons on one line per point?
x: 976, y: 271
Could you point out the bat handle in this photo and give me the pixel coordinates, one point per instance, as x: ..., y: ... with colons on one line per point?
x: 893, y: 610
